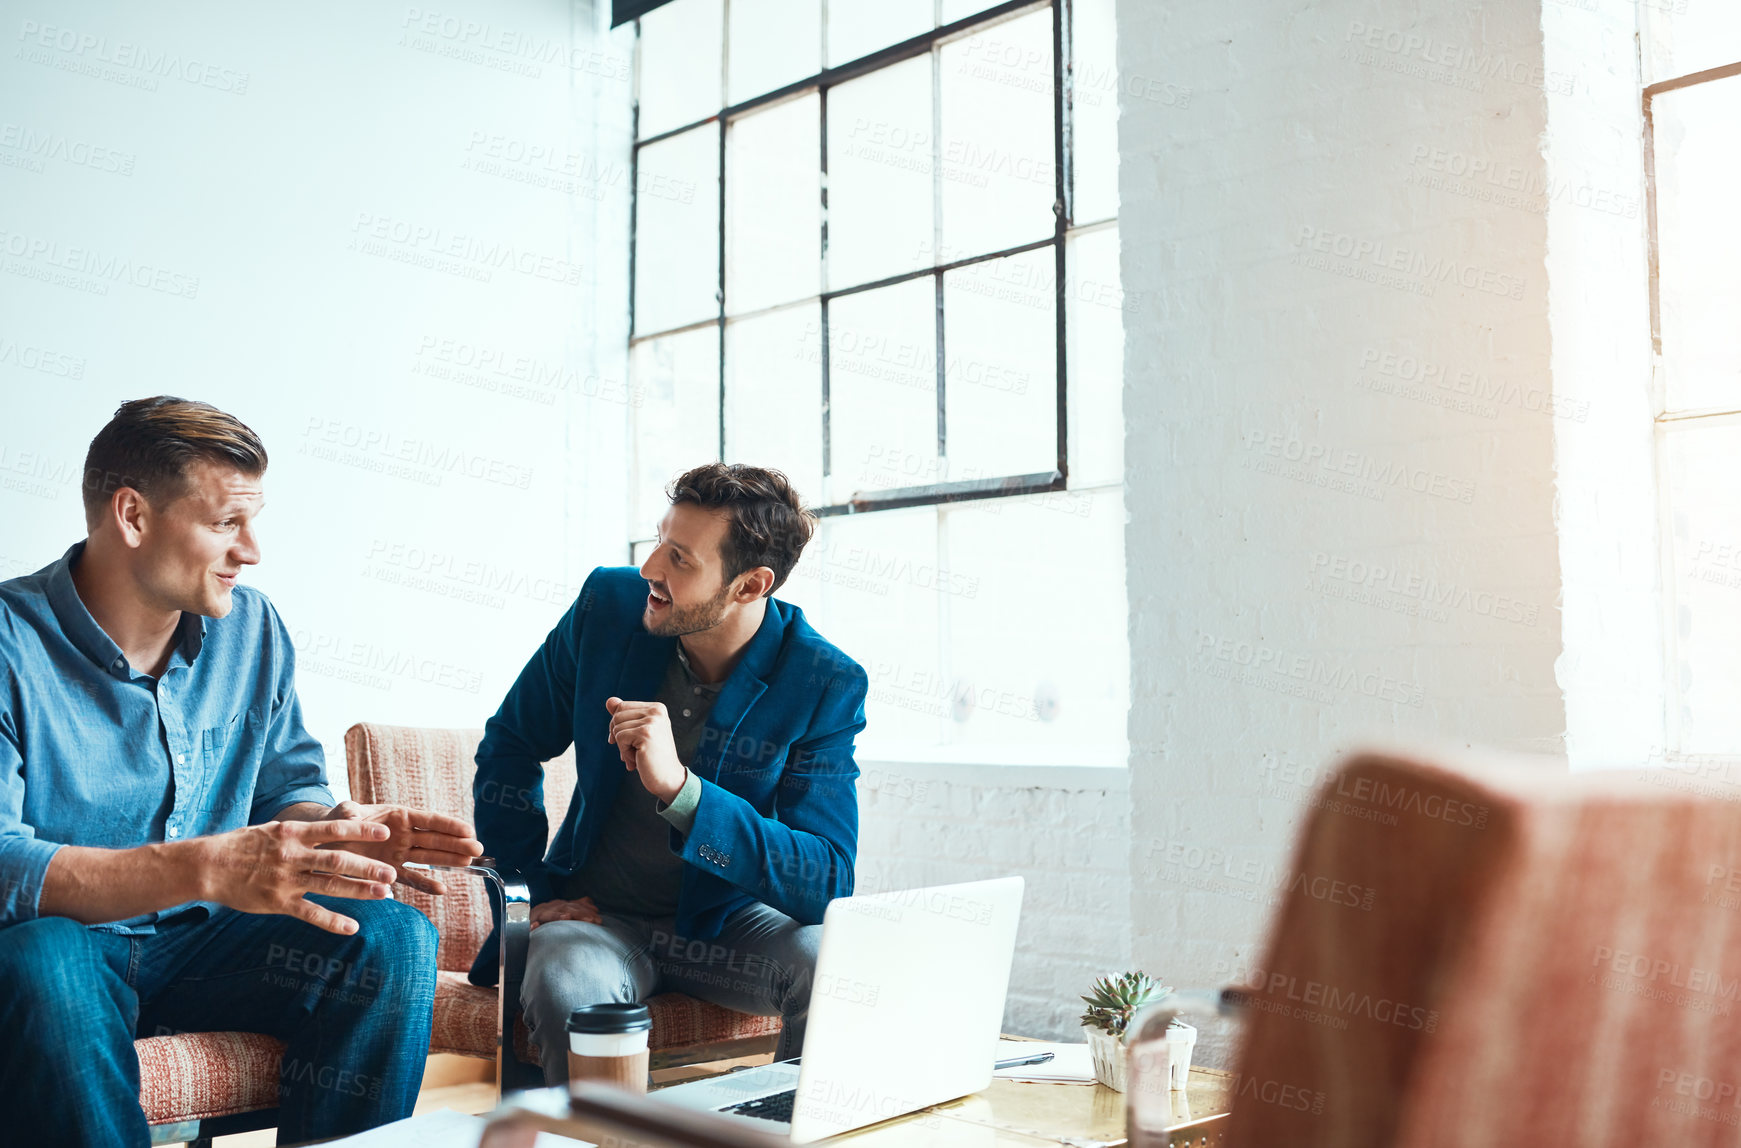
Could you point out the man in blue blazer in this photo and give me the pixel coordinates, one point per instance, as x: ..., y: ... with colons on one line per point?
x: 715, y: 814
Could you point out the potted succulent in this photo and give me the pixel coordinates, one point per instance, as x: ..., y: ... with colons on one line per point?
x: 1111, y: 1004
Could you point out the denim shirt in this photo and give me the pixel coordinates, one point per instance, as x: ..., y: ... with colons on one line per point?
x: 93, y: 752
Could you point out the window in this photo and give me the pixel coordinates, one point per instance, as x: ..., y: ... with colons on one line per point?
x: 865, y: 254
x: 1692, y: 103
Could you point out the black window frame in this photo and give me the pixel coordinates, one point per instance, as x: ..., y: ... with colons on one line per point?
x: 895, y: 498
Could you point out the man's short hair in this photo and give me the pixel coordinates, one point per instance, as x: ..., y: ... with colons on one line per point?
x: 769, y: 524
x: 152, y: 445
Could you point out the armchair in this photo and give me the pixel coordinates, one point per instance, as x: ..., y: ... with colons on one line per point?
x: 433, y: 769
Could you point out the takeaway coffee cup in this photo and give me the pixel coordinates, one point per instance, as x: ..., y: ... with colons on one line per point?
x: 607, y: 1044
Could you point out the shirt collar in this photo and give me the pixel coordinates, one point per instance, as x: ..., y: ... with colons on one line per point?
x: 689, y: 671
x: 91, y: 640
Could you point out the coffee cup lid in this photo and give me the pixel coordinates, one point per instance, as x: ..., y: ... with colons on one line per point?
x: 609, y: 1018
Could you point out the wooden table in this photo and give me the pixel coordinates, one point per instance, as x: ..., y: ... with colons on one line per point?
x: 1009, y: 1114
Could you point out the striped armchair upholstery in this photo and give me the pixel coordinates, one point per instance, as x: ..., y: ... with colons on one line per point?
x: 433, y: 769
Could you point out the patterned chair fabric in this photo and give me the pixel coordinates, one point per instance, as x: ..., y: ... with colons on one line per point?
x: 191, y: 1077
x: 201, y: 1075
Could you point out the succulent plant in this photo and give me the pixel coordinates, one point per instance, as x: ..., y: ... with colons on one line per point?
x: 1114, y: 1000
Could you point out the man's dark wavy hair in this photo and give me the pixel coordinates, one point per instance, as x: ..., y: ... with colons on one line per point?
x: 769, y: 523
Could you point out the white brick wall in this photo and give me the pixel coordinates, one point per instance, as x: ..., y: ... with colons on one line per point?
x: 1066, y: 831
x: 1341, y: 421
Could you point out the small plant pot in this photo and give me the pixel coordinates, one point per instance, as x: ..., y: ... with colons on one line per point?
x: 1111, y: 1064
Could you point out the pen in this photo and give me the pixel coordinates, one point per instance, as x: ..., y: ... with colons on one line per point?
x: 1014, y: 1061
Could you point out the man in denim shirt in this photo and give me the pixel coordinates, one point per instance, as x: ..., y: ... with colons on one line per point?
x: 170, y: 856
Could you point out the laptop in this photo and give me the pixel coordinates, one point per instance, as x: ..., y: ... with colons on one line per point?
x: 905, y: 1012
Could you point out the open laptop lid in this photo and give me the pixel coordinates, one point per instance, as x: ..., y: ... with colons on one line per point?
x: 907, y: 1003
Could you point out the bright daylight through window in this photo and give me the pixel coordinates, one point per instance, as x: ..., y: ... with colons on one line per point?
x: 875, y: 246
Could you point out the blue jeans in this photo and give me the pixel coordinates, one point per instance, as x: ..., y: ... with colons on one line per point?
x: 354, y: 1013
x: 762, y: 962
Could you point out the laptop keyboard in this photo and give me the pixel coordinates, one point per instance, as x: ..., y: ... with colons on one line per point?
x: 777, y: 1107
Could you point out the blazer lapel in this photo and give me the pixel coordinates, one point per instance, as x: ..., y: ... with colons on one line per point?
x: 638, y: 681
x: 644, y: 666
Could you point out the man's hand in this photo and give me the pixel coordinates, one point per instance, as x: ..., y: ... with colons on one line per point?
x: 268, y: 868
x: 641, y: 731
x: 578, y: 910
x: 412, y: 835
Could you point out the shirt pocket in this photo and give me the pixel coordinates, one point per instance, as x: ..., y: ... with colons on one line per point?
x: 224, y: 752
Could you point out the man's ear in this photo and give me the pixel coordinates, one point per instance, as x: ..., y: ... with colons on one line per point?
x: 753, y: 584
x: 131, y: 515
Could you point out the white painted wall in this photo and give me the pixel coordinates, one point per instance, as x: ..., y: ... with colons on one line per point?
x: 1342, y: 418
x: 391, y: 239
x: 1612, y: 669
x: 1064, y: 829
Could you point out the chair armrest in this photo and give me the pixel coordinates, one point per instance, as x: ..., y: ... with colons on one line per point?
x: 511, y: 911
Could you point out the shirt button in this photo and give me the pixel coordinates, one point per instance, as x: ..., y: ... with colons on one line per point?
x: 117, y: 664
x: 697, y: 689
x: 685, y: 713
x: 181, y: 759
x: 172, y: 831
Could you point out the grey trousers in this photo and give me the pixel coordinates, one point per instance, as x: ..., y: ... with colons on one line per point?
x: 762, y: 962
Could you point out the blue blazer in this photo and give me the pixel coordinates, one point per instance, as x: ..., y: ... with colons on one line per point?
x: 778, y: 817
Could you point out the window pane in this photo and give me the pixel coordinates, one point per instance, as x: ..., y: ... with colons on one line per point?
x: 880, y: 146
x: 774, y: 395
x: 677, y: 231
x: 859, y: 27
x: 882, y: 374
x: 773, y: 42
x: 676, y: 425
x: 679, y: 79
x: 1095, y: 108
x: 1705, y: 495
x: 870, y: 585
x: 999, y: 181
x: 954, y: 10
x: 1687, y: 36
x: 774, y: 193
x: 1057, y: 689
x: 1698, y: 170
x: 1096, y: 358
x: 999, y: 346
